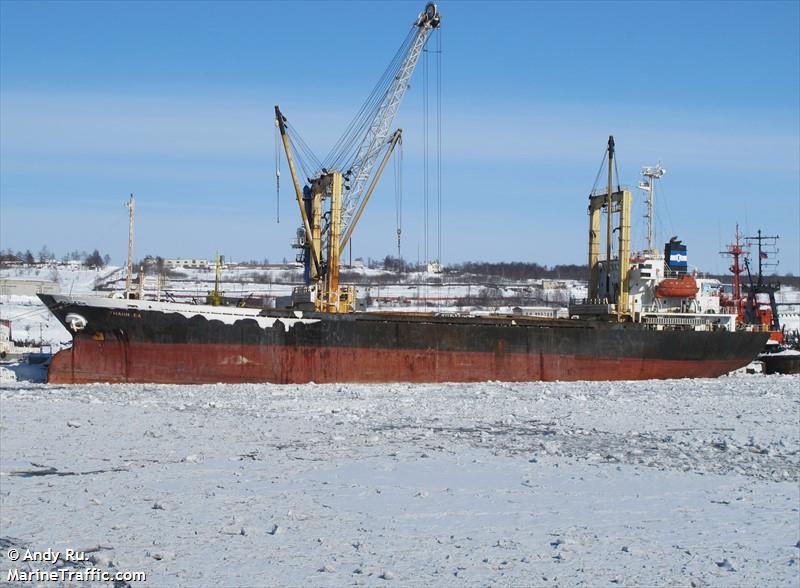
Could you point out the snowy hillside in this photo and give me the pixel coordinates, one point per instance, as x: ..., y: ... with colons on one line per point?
x: 30, y: 319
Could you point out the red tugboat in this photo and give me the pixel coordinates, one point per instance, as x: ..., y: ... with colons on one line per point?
x: 755, y: 304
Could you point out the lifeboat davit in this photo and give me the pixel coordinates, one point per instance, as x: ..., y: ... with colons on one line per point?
x: 680, y: 287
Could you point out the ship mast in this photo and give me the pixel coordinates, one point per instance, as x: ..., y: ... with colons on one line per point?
x: 767, y: 249
x: 615, y: 202
x: 736, y: 250
x: 651, y: 174
x: 766, y: 246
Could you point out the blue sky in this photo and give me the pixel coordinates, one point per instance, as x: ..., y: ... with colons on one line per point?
x: 173, y: 101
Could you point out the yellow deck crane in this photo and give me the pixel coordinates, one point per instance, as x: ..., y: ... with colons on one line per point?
x: 615, y: 291
x: 345, y: 178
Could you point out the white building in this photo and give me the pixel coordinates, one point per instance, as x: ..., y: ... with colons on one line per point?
x: 190, y: 263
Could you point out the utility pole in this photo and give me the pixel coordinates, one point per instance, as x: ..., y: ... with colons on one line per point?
x: 130, y: 205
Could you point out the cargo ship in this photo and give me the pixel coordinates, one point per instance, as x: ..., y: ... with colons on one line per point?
x: 119, y: 340
x: 634, y: 324
x: 645, y: 319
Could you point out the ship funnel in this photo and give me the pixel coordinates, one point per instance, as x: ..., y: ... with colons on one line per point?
x: 675, y: 256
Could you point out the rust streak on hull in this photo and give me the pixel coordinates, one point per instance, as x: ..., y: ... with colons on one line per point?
x: 149, y: 342
x: 114, y: 361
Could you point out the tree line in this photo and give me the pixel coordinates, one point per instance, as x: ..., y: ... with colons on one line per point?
x: 45, y: 256
x: 504, y: 270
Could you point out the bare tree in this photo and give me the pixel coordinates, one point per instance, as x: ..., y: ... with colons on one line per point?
x: 95, y: 259
x: 45, y: 254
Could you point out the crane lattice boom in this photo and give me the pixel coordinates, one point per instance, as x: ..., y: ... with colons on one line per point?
x: 347, y: 179
x: 378, y: 132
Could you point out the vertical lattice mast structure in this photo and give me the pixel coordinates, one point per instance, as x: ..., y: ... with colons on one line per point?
x: 378, y: 132
x: 651, y: 174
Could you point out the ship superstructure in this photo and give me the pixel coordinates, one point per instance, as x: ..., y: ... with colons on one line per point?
x: 648, y: 287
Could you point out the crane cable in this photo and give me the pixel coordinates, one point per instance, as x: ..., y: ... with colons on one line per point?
x: 277, y: 172
x: 439, y: 145
x: 307, y: 161
x: 663, y: 203
x: 398, y: 193
x: 439, y: 157
x: 619, y: 188
x: 425, y: 179
x: 366, y: 112
x: 342, y: 155
x: 599, y: 171
x: 426, y: 127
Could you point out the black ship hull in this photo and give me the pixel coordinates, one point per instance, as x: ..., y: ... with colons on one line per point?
x: 141, y: 341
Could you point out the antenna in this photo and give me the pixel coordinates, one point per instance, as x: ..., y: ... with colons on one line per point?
x: 767, y: 252
x: 648, y: 184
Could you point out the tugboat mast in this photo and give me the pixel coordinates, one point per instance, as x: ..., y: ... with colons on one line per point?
x: 736, y: 251
x: 764, y: 251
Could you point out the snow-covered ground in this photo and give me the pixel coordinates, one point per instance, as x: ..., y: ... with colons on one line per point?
x: 30, y: 319
x: 690, y: 482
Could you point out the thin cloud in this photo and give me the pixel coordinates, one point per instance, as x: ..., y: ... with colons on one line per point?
x: 183, y: 127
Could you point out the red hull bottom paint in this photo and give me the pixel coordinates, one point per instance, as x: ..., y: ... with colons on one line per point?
x: 113, y: 361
